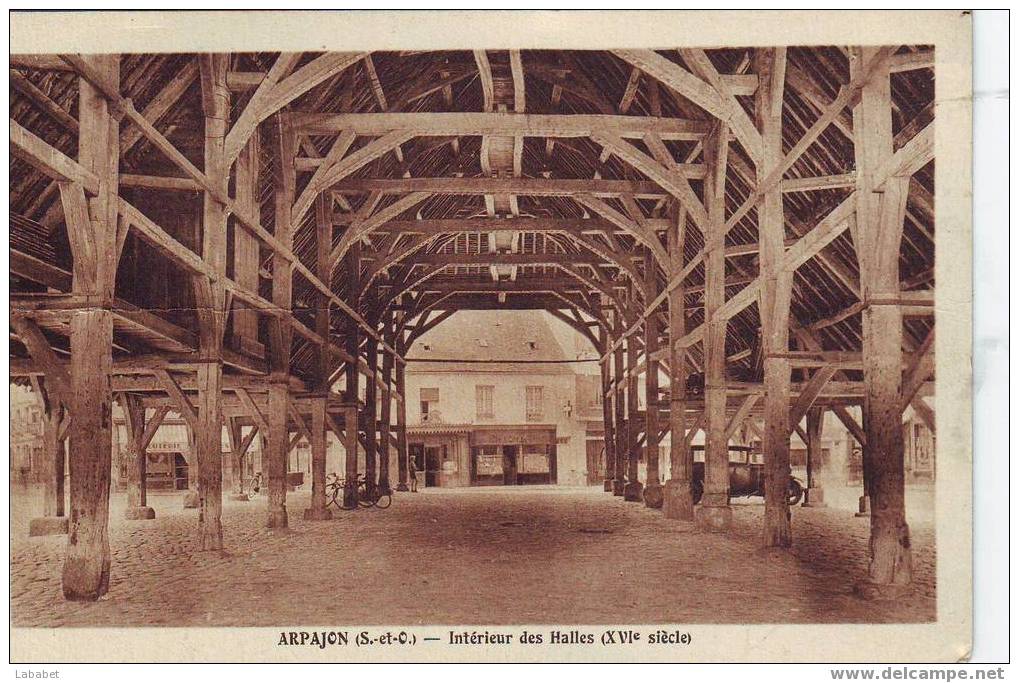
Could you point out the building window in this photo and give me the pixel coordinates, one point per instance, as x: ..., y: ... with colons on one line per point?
x: 534, y: 459
x: 429, y: 401
x: 483, y: 395
x: 535, y: 404
x: 429, y: 404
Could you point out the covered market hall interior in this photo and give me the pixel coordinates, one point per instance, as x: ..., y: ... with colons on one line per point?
x: 254, y: 241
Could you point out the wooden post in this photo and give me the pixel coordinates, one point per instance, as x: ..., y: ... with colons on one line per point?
x: 134, y: 421
x: 371, y: 393
x: 879, y: 222
x: 246, y: 256
x: 633, y: 490
x: 401, y: 426
x: 678, y: 498
x: 318, y: 509
x: 323, y: 245
x: 653, y: 493
x: 191, y: 499
x: 385, y: 415
x: 714, y: 512
x: 280, y: 332
x: 353, y: 264
x: 211, y: 304
x: 238, y: 447
x: 814, y: 495
x: 774, y: 302
x: 92, y: 230
x: 350, y: 462
x: 209, y: 444
x: 619, y: 393
x: 285, y: 177
x: 53, y: 520
x: 606, y: 392
x: 276, y: 457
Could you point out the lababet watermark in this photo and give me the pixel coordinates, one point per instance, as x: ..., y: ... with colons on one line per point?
x: 37, y: 674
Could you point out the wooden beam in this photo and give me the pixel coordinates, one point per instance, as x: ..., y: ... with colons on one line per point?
x: 253, y: 411
x: 159, y: 105
x: 48, y: 160
x: 180, y: 401
x: 630, y: 91
x: 908, y: 159
x: 314, y: 187
x: 774, y: 174
x: 277, y: 90
x: 500, y: 123
x: 739, y: 122
x: 343, y: 168
x: 921, y: 368
x: 42, y: 101
x: 809, y: 393
x: 534, y: 187
x: 911, y: 61
x: 175, y: 184
x: 247, y: 222
x: 440, y: 226
x: 485, y: 76
x: 153, y: 425
x: 674, y: 183
x: 740, y: 415
x: 59, y: 380
x: 850, y: 424
x: 639, y: 231
x: 811, y: 184
x: 360, y: 228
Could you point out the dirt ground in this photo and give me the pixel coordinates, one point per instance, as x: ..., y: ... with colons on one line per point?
x: 469, y: 556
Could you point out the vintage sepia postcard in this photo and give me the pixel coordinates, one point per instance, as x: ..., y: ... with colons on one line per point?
x: 490, y: 336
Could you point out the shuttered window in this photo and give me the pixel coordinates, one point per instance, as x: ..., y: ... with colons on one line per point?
x: 535, y: 404
x: 483, y: 397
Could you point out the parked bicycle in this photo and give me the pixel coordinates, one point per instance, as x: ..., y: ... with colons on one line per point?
x: 367, y: 495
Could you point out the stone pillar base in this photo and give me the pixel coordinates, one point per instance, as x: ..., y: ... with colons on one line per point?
x: 277, y: 519
x: 139, y: 512
x: 318, y: 514
x: 633, y: 492
x: 402, y: 487
x: 191, y: 500
x: 654, y: 497
x: 814, y: 498
x: 239, y: 496
x: 713, y: 517
x: 47, y: 526
x: 864, y: 509
x: 677, y: 502
x: 617, y: 487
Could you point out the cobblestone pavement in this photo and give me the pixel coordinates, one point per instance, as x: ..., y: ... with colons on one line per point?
x: 489, y: 556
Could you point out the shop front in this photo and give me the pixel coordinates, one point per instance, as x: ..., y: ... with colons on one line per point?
x: 511, y: 456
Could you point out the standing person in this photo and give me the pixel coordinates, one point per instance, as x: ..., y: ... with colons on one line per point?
x: 412, y: 474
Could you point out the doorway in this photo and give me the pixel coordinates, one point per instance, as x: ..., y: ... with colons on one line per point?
x: 180, y: 472
x: 433, y: 464
x: 509, y: 465
x: 595, y: 462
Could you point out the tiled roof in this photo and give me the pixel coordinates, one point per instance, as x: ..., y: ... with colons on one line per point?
x: 475, y: 337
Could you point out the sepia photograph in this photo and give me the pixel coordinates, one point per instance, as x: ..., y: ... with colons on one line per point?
x: 457, y: 347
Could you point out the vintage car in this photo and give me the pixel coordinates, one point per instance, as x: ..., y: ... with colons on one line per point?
x: 746, y: 474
